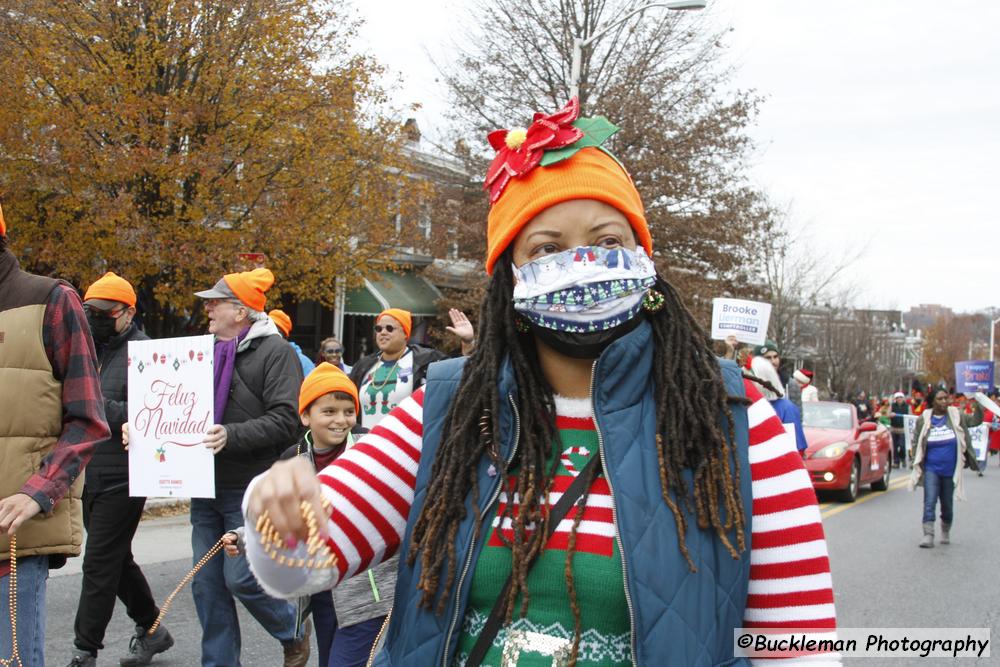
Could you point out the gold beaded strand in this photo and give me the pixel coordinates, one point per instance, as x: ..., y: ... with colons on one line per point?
x: 15, y: 658
x: 320, y: 557
x: 271, y: 541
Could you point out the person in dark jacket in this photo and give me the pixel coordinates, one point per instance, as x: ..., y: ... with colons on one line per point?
x: 897, y: 425
x: 257, y: 379
x: 110, y: 515
x: 387, y: 377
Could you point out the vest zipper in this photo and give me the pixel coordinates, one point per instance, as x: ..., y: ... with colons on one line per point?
x: 472, y: 545
x: 614, y: 514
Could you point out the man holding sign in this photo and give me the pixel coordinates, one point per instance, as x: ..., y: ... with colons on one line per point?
x: 256, y: 380
x: 110, y: 515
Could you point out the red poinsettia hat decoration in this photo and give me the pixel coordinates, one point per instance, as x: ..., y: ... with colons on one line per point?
x: 520, y: 150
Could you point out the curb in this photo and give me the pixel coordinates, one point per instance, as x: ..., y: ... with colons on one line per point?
x: 156, y: 507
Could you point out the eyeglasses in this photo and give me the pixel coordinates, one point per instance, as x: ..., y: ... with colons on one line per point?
x: 110, y: 314
x: 333, y: 350
x: 387, y: 327
x: 215, y: 303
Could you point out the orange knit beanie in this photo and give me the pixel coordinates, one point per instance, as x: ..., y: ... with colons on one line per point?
x: 404, y: 318
x: 325, y: 379
x: 250, y: 286
x: 3, y: 224
x: 111, y: 287
x: 558, y: 158
x: 282, y: 321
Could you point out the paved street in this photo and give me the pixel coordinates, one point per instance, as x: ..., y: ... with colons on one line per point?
x: 881, y: 578
x: 163, y: 548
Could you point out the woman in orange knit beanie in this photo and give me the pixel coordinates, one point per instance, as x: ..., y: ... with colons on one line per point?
x: 591, y: 387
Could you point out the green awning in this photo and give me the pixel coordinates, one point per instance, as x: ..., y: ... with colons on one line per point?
x: 387, y: 289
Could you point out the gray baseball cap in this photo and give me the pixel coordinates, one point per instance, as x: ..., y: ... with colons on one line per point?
x: 219, y: 291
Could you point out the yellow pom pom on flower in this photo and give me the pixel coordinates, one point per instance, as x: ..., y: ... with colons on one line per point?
x: 515, y: 138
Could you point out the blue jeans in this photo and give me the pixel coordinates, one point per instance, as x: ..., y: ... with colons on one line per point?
x: 32, y: 573
x: 938, y: 487
x: 223, y: 578
x: 325, y: 624
x: 353, y: 645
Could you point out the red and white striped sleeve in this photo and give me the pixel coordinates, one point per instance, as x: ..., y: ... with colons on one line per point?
x: 371, y: 488
x: 790, y: 583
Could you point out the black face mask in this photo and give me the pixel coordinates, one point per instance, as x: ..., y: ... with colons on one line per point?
x: 586, y: 345
x: 102, y: 328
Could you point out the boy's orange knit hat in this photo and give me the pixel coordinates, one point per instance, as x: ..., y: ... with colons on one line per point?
x: 402, y: 316
x: 111, y: 287
x: 558, y: 158
x: 282, y: 321
x: 3, y: 224
x: 325, y: 379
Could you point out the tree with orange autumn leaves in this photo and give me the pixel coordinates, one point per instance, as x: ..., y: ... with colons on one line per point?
x: 954, y: 338
x: 159, y: 139
x: 662, y: 79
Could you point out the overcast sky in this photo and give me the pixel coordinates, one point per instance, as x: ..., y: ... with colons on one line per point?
x: 880, y: 129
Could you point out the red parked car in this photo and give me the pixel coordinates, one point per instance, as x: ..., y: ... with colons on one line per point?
x: 844, y: 454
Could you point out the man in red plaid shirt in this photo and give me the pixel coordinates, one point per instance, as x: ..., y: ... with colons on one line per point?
x: 51, y: 420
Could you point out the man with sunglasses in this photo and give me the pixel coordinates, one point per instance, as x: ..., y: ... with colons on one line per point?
x: 110, y: 515
x: 387, y: 377
x: 51, y: 419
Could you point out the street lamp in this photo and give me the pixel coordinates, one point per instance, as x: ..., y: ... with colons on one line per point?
x: 993, y: 326
x: 579, y: 43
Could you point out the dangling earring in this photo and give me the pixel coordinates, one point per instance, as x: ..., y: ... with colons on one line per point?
x: 653, y: 302
x: 521, y: 324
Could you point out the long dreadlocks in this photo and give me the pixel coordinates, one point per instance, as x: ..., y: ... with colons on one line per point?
x: 690, y: 398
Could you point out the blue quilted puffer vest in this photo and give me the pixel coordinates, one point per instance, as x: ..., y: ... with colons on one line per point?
x: 678, y: 617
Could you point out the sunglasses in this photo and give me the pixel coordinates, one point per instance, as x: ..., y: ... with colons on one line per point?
x: 387, y: 327
x: 333, y: 350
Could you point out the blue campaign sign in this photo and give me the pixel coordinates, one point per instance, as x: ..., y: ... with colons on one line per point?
x: 973, y: 376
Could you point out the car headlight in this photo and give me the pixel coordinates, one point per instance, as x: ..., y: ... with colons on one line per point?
x: 831, y: 451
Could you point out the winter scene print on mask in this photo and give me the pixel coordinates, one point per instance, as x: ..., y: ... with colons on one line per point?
x: 583, y: 290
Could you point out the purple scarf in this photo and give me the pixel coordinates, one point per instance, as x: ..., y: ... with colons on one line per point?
x: 225, y: 362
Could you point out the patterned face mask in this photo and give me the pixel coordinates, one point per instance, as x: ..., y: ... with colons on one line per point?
x: 585, y: 290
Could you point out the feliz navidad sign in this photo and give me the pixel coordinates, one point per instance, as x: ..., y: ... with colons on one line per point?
x: 170, y: 407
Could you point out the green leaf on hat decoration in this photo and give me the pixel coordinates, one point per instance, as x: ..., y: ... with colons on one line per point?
x: 595, y: 130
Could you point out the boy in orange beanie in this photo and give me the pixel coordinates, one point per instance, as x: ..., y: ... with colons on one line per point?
x: 328, y: 407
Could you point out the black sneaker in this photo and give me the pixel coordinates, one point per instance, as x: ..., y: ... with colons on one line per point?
x: 82, y: 658
x: 144, y: 646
